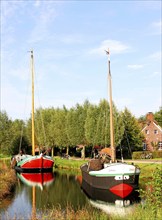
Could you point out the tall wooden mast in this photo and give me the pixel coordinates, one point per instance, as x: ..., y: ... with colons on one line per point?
x: 32, y: 71
x: 113, y: 150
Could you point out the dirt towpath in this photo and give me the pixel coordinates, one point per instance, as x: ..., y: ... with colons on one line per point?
x: 145, y: 161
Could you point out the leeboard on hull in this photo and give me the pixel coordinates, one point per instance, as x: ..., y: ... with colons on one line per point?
x: 35, y: 164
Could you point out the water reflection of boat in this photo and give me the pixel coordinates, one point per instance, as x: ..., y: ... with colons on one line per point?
x: 106, y: 196
x: 117, y: 210
x: 110, y: 179
x: 108, y: 202
x: 36, y: 179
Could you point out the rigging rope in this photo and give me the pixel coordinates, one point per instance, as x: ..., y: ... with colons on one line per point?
x: 24, y: 113
x: 41, y: 115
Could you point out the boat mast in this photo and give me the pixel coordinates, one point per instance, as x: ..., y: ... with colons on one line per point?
x: 32, y: 71
x: 113, y: 150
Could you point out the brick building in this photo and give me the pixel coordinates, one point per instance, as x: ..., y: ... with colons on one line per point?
x: 153, y: 134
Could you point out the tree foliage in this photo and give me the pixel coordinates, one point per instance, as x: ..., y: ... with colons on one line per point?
x: 85, y: 124
x: 12, y: 135
x: 158, y: 116
x: 5, y: 132
x: 132, y: 137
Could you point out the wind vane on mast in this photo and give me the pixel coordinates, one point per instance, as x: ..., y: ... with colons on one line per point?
x: 108, y: 53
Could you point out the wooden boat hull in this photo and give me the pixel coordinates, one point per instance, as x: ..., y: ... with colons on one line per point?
x: 35, y: 164
x: 106, y: 186
x: 107, y: 196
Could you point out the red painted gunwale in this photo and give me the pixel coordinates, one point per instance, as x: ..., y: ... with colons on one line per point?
x: 38, y: 162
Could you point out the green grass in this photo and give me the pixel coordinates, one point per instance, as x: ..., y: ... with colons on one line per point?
x: 140, y: 211
x: 160, y: 159
x: 146, y: 173
x: 2, y: 156
x: 71, y: 163
x: 74, y: 164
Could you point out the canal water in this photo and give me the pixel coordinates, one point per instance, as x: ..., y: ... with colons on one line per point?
x: 44, y: 191
x: 57, y: 189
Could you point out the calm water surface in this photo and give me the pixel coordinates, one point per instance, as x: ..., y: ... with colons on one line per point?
x: 60, y: 189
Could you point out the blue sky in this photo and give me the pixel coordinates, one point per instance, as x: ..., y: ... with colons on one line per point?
x: 69, y: 39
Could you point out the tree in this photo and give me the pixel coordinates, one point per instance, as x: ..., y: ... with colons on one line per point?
x: 5, y: 133
x: 45, y: 121
x: 102, y: 136
x: 19, y: 137
x: 60, y: 128
x: 102, y: 133
x: 132, y: 138
x: 118, y: 126
x: 91, y: 124
x: 41, y: 118
x: 158, y: 116
x: 76, y: 118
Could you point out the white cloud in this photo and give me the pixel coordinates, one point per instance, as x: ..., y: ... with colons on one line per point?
x: 157, y: 27
x: 157, y: 24
x: 156, y: 56
x: 155, y: 74
x: 116, y: 47
x: 8, y: 9
x: 135, y: 66
x: 37, y: 3
x: 44, y: 17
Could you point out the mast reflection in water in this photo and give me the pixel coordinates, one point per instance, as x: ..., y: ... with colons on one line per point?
x: 36, y: 180
x: 58, y: 189
x: 51, y: 190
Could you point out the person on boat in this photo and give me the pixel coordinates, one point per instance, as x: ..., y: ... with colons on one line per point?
x: 44, y: 152
x: 17, y: 158
x: 21, y: 152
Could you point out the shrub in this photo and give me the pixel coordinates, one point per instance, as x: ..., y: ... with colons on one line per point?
x: 137, y: 154
x: 155, y: 154
x: 152, y: 194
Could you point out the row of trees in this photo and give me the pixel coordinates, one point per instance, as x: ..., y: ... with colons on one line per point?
x: 85, y: 124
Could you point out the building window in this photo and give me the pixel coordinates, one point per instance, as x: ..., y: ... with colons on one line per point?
x: 144, y: 146
x: 155, y: 131
x: 160, y: 146
x: 146, y: 131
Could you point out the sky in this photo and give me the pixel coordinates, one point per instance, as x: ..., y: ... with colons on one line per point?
x: 69, y: 39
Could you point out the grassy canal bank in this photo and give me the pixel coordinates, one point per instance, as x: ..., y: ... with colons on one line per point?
x: 150, y: 185
x: 7, y: 181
